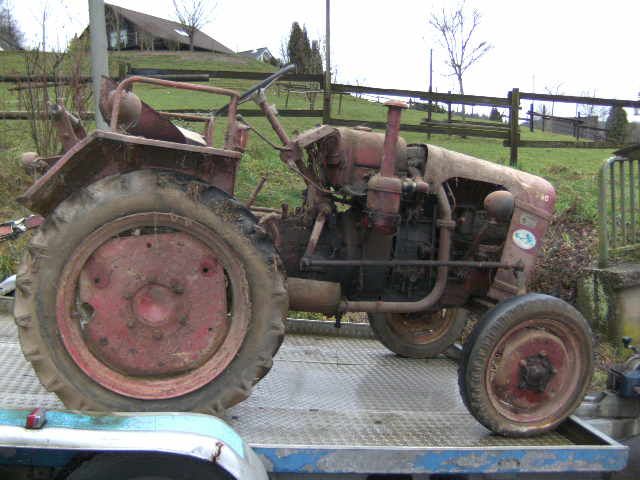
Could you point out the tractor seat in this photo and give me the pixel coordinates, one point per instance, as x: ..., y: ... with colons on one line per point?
x: 138, y: 118
x: 191, y: 137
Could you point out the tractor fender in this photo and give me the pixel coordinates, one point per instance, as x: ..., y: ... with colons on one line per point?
x: 105, y: 153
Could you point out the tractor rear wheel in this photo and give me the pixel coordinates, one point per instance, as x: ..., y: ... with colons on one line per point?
x: 526, y: 365
x: 150, y: 291
x: 420, y: 334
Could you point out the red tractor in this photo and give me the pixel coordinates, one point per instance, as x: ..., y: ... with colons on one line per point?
x: 149, y: 287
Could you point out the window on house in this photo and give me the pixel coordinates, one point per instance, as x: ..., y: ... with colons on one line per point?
x: 115, y: 37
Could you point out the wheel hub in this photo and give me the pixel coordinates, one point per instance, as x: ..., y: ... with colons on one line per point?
x: 530, y: 372
x: 158, y: 303
x: 155, y: 305
x: 536, y: 372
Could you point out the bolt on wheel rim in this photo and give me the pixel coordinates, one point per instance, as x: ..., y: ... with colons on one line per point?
x: 153, y: 306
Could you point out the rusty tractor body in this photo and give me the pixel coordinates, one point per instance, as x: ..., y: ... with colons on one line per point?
x: 155, y: 305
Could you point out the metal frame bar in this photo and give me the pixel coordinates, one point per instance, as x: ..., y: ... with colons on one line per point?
x: 310, y: 262
x: 614, y: 238
x: 602, y: 455
x: 232, y: 108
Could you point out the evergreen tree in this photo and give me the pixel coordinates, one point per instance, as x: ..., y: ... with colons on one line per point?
x: 304, y: 54
x: 617, y: 125
x: 10, y: 33
x: 495, y: 115
x: 306, y: 46
x: 315, y: 58
x: 296, y: 48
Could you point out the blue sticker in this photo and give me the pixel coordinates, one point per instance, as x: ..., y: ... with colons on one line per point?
x: 524, y: 239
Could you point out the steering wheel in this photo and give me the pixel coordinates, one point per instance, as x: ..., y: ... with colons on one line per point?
x: 266, y: 83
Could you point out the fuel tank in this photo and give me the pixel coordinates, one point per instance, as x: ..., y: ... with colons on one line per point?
x: 353, y: 155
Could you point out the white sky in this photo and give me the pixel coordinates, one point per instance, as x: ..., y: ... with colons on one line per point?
x: 581, y: 45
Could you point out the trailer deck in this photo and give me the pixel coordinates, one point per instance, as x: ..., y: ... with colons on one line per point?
x: 336, y: 401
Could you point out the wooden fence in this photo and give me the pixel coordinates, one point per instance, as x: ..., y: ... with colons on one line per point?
x: 508, y: 131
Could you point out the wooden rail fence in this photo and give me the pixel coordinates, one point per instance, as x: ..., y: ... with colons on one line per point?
x: 509, y: 132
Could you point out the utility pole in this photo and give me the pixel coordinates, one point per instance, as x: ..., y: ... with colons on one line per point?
x: 430, y: 70
x: 99, y: 62
x: 430, y: 107
x: 326, y: 110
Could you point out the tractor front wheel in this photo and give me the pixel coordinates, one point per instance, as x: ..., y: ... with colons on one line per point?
x: 526, y: 365
x: 150, y: 291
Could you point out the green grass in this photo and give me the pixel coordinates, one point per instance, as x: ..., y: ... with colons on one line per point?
x: 572, y: 171
x: 13, y: 63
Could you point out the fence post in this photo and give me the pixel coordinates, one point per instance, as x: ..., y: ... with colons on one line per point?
x: 326, y: 101
x: 340, y: 103
x: 514, y: 134
x: 603, y: 244
x: 449, y: 107
x: 531, y: 117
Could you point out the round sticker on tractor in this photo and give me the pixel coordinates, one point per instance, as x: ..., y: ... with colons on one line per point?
x: 524, y: 239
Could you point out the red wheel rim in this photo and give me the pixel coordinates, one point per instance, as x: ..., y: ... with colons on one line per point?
x: 153, y: 306
x: 421, y: 328
x: 535, y: 371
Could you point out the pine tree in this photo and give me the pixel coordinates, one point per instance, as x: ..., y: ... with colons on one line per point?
x: 10, y: 33
x: 315, y: 59
x: 306, y: 49
x: 295, y: 47
x: 495, y: 115
x: 303, y: 53
x: 617, y: 125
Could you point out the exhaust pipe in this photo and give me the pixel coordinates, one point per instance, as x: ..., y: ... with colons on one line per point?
x: 307, y: 295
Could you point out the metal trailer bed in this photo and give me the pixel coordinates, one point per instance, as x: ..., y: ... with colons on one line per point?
x: 336, y: 402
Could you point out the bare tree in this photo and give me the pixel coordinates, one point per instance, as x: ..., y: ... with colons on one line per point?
x: 284, y: 50
x: 588, y: 109
x: 554, y: 90
x: 193, y: 15
x: 456, y: 30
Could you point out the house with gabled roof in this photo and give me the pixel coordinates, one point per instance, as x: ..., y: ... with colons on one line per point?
x: 129, y: 30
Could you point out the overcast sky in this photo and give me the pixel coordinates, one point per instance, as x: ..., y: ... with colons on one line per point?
x: 579, y: 45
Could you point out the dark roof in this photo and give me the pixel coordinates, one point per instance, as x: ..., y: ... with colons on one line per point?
x: 168, y: 30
